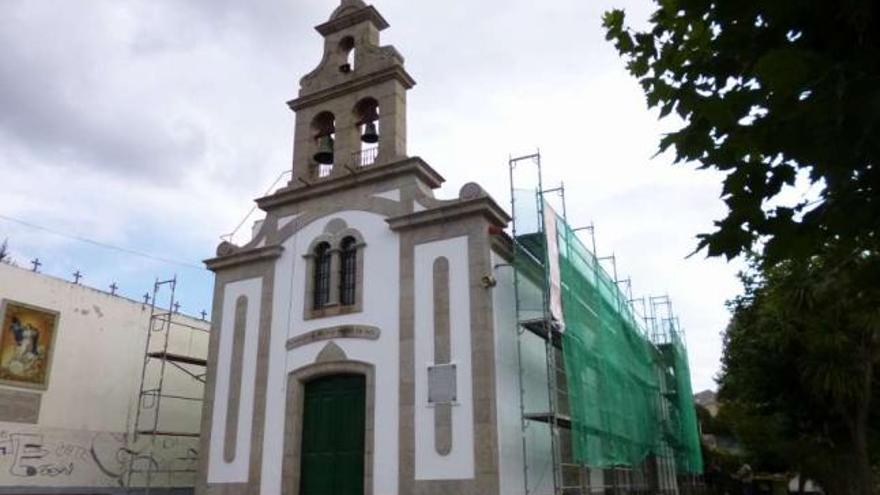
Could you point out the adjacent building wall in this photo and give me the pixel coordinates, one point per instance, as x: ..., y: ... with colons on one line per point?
x: 78, y: 436
x: 538, y: 467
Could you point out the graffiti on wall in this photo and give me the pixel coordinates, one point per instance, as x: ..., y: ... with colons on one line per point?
x: 94, y: 459
x: 27, y: 456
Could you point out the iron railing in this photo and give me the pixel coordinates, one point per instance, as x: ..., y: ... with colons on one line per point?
x: 366, y: 157
x: 324, y: 170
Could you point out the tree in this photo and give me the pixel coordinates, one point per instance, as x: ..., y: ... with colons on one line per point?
x: 768, y: 91
x: 799, y: 369
x: 4, y: 252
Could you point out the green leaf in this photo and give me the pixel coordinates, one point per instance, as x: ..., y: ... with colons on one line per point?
x: 784, y: 70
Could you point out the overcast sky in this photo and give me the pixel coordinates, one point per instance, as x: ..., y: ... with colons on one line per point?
x: 153, y: 124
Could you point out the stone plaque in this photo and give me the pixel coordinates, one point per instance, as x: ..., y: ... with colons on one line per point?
x: 19, y: 407
x: 441, y: 384
x: 332, y: 333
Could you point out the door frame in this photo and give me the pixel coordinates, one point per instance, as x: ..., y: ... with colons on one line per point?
x: 296, y: 382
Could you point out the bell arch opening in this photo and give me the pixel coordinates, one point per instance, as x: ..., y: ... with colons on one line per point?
x: 366, y: 114
x: 324, y: 136
x: 348, y: 51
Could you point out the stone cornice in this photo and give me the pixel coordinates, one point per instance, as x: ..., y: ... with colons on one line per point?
x: 502, y: 245
x: 483, y: 206
x: 414, y: 166
x: 365, y: 81
x: 368, y: 13
x: 243, y: 257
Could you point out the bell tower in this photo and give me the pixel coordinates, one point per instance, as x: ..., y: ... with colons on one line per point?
x: 351, y: 110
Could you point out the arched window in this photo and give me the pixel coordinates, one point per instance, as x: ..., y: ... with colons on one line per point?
x: 348, y: 271
x: 347, y: 49
x: 321, y: 295
x: 334, y: 274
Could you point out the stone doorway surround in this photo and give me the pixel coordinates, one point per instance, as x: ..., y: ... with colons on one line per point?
x: 296, y: 381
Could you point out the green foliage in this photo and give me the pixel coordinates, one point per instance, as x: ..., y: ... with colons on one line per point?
x: 710, y: 425
x: 771, y: 93
x: 768, y: 90
x: 799, y: 368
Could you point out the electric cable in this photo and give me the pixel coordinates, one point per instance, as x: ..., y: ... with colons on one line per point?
x: 102, y: 244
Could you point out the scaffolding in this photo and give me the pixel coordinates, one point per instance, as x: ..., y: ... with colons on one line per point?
x: 159, y: 398
x: 528, y: 263
x: 617, y: 409
x: 680, y: 433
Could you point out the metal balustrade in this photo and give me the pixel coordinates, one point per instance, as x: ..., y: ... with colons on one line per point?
x: 366, y: 157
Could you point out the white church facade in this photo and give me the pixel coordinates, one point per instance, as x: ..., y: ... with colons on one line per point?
x: 364, y: 341
x: 361, y: 285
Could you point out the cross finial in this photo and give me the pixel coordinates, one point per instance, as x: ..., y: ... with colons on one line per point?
x: 147, y: 298
x: 176, y: 307
x: 76, y: 276
x: 204, y: 314
x: 36, y: 264
x: 113, y: 288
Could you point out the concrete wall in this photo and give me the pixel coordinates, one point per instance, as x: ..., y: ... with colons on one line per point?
x: 510, y: 448
x: 80, y: 436
x: 534, y: 382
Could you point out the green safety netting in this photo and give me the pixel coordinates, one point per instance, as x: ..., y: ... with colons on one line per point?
x: 629, y: 398
x: 688, y: 455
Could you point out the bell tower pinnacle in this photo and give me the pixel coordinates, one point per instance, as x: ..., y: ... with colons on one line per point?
x: 351, y: 110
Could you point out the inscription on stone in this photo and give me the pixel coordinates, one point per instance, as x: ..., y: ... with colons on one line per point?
x: 338, y: 332
x: 19, y: 407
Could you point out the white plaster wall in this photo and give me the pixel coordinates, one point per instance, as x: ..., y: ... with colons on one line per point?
x: 92, y: 395
x: 283, y: 221
x: 538, y: 465
x: 236, y: 471
x: 393, y: 195
x: 380, y: 309
x: 507, y: 397
x: 539, y: 456
x: 459, y: 463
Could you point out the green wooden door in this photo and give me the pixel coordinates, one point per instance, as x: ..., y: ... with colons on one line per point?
x: 333, y: 436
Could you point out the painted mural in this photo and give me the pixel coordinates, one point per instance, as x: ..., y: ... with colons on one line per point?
x: 26, y: 340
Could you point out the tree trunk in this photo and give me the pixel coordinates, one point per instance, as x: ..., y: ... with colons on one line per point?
x: 863, y: 476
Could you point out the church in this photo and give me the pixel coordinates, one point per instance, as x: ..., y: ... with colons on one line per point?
x: 366, y: 339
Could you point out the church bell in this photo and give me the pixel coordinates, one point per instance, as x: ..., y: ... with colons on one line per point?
x: 370, y: 135
x: 324, y: 155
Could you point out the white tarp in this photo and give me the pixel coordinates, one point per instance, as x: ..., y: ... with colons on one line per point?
x: 553, y: 265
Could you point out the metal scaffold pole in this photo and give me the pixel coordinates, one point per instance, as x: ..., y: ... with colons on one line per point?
x: 519, y: 330
x: 530, y: 249
x: 159, y: 359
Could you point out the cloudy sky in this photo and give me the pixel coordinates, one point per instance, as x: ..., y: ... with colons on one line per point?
x: 151, y: 125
